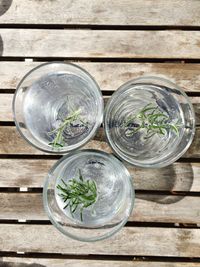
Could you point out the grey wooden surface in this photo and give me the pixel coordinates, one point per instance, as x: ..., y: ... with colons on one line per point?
x: 115, y: 41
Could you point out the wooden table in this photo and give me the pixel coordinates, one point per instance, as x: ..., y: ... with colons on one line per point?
x: 115, y: 41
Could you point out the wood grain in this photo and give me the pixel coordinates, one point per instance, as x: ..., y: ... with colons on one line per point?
x: 6, y: 107
x: 129, y: 241
x: 7, y: 115
x: 12, y: 143
x: 110, y: 76
x: 100, y: 43
x: 24, y: 172
x: 184, y: 13
x: 176, y: 177
x: 148, y: 208
x: 18, y: 262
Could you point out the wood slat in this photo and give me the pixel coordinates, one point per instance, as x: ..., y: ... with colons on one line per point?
x: 7, y: 115
x: 148, y: 208
x: 6, y: 107
x: 176, y: 177
x: 112, y: 75
x: 184, y: 13
x: 99, y: 43
x: 129, y: 241
x: 18, y: 262
x: 24, y: 173
x: 12, y: 143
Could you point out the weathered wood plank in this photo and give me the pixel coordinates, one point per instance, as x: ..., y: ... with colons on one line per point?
x: 18, y: 262
x: 129, y: 241
x: 193, y: 151
x: 7, y: 115
x: 148, y: 208
x: 184, y: 13
x: 24, y: 173
x: 176, y: 177
x: 184, y: 75
x: 12, y: 143
x: 100, y: 43
x: 6, y: 107
x: 166, y: 208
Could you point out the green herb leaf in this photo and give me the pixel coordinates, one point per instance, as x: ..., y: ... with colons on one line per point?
x: 78, y: 193
x: 58, y: 140
x: 152, y: 119
x: 175, y: 128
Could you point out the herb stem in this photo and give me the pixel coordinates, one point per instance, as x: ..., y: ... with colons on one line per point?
x: 58, y: 132
x: 153, y: 120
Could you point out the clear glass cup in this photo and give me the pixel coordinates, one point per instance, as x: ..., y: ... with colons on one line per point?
x: 149, y: 122
x: 58, y: 107
x: 114, y: 201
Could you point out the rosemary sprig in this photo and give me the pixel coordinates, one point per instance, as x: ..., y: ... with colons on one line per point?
x: 78, y: 193
x: 153, y: 120
x: 58, y: 132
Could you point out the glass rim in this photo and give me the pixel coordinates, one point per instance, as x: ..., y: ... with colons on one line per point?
x: 86, y: 139
x: 56, y: 224
x: 133, y: 162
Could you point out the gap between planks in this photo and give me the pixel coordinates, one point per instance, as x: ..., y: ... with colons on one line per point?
x: 174, y: 60
x: 108, y: 27
x: 129, y: 224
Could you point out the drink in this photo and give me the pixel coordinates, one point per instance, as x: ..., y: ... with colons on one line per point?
x: 58, y: 107
x: 54, y: 97
x: 114, y: 195
x: 162, y: 134
x: 111, y: 189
